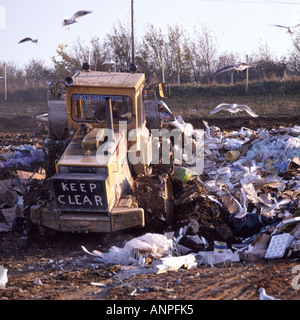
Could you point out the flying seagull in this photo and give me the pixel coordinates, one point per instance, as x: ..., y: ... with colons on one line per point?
x: 36, y: 41
x: 290, y: 30
x: 74, y: 17
x: 234, y: 108
x: 235, y: 66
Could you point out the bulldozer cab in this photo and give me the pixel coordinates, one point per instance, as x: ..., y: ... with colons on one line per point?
x: 103, y: 99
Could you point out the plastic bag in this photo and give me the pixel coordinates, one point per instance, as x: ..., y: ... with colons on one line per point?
x: 185, y: 174
x: 150, y: 243
x: 247, y: 226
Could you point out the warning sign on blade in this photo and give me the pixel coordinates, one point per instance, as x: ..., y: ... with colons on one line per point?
x: 79, y: 195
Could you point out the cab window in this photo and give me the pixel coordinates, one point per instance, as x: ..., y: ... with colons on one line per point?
x: 141, y: 111
x: 91, y: 108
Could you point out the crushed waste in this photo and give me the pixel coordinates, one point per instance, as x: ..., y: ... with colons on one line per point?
x: 248, y: 197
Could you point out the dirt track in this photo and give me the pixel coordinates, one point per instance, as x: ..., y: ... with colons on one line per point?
x: 57, y: 268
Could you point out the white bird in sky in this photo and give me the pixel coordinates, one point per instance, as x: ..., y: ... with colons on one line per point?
x: 290, y: 30
x: 74, y: 17
x: 264, y: 296
x: 234, y: 108
x: 36, y: 41
x: 235, y: 66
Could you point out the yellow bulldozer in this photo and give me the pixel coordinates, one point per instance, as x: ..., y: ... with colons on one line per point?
x: 108, y: 123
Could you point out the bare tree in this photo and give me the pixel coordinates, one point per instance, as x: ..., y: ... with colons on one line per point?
x: 205, y: 52
x: 37, y: 72
x: 118, y: 43
x: 152, y: 52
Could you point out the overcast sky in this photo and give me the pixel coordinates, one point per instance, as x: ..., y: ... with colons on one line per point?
x: 239, y: 25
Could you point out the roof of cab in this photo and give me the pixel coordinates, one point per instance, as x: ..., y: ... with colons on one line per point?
x: 109, y: 79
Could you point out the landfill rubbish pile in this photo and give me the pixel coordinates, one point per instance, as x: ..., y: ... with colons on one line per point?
x: 244, y: 206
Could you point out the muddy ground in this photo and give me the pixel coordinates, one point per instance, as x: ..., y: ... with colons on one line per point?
x: 56, y: 267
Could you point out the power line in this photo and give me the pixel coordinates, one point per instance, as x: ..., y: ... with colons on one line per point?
x: 254, y: 1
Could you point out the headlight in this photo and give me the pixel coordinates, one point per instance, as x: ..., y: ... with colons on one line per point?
x: 63, y: 169
x: 71, y: 132
x: 101, y: 170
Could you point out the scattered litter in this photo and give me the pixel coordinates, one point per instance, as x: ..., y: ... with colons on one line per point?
x: 278, y: 245
x: 148, y: 246
x: 220, y: 247
x: 128, y: 285
x: 24, y: 156
x: 242, y: 207
x: 232, y: 155
x: 174, y: 263
x: 185, y: 174
x: 12, y: 193
x: 256, y: 250
x: 98, y: 284
x: 38, y: 282
x: 211, y: 258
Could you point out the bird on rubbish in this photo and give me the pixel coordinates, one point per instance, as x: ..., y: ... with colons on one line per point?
x: 3, y: 277
x: 234, y: 108
x: 235, y: 66
x: 36, y: 41
x: 264, y: 296
x: 290, y: 30
x: 242, y: 207
x: 249, y: 175
x: 75, y: 16
x: 207, y: 136
x: 167, y: 117
x: 269, y: 210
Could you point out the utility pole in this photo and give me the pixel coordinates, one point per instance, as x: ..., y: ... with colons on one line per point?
x: 5, y: 83
x: 247, y: 73
x: 132, y: 30
x: 163, y: 69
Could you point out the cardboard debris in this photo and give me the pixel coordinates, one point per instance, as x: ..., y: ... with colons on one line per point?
x: 211, y: 258
x: 257, y: 250
x: 230, y: 204
x: 11, y: 196
x: 25, y: 176
x: 9, y: 215
x: 256, y: 255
